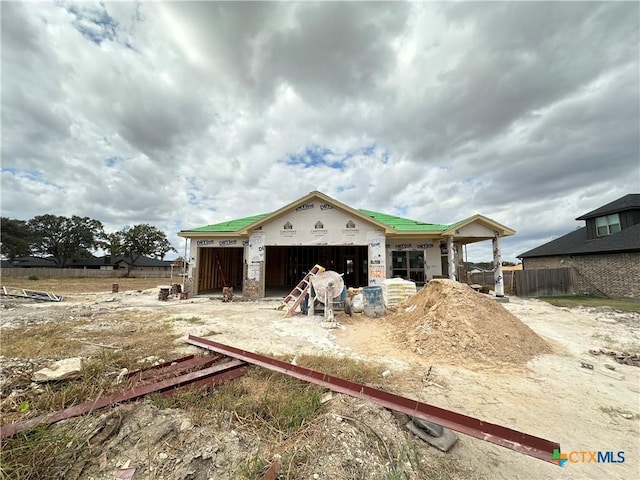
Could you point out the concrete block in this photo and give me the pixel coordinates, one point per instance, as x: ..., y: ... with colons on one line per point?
x: 62, y: 370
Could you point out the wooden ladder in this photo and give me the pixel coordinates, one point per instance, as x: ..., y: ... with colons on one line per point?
x: 298, y: 293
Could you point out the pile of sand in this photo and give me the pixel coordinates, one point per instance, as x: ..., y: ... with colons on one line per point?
x: 450, y: 321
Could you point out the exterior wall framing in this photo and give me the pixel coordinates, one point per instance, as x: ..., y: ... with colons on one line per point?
x: 317, y: 221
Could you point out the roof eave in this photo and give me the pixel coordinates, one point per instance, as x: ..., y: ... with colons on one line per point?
x: 193, y: 234
x: 416, y: 233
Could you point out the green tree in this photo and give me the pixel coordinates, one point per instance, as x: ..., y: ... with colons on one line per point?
x: 137, y: 241
x: 15, y: 238
x: 66, y: 239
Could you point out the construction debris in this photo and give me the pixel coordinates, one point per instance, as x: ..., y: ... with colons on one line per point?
x: 164, y: 378
x: 125, y: 473
x: 66, y: 369
x: 503, y: 436
x: 397, y: 290
x: 274, y: 469
x: 435, y: 435
x: 227, y: 294
x: 163, y: 294
x: 624, y: 358
x: 21, y: 292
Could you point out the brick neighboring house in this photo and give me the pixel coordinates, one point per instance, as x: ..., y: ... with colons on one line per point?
x: 605, y: 253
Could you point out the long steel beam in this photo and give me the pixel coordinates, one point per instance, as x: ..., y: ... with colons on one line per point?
x: 213, y: 374
x: 521, y: 442
x: 168, y: 369
x: 139, y: 373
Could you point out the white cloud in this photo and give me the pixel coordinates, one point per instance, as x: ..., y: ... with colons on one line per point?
x: 186, y: 113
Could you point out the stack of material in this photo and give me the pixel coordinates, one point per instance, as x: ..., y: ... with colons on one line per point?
x: 355, y: 299
x: 449, y: 321
x: 397, y: 290
x: 163, y: 295
x: 620, y: 357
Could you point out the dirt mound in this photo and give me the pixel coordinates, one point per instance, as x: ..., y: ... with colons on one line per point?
x: 450, y: 321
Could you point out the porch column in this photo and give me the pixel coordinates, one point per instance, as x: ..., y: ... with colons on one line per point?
x: 450, y: 259
x: 497, y: 266
x: 192, y: 286
x: 459, y: 262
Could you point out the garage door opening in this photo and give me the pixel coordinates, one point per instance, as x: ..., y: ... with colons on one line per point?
x: 286, y: 266
x: 220, y: 266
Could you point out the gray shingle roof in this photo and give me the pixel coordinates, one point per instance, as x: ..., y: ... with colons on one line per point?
x: 576, y: 243
x: 628, y: 202
x: 142, y: 261
x: 29, y: 261
x: 559, y: 246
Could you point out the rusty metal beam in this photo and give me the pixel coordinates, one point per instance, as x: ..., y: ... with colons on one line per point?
x: 100, y: 402
x: 167, y: 369
x: 159, y: 366
x: 210, y: 381
x: 521, y: 442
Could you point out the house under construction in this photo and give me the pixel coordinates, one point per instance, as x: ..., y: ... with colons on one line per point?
x: 269, y: 253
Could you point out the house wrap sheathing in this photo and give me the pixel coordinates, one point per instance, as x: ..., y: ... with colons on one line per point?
x: 270, y: 253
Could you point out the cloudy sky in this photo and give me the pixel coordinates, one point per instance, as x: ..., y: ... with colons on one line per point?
x: 185, y: 114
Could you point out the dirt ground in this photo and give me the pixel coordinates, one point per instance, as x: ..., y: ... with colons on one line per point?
x: 551, y: 396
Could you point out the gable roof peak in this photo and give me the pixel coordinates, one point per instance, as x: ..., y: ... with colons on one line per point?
x: 628, y: 202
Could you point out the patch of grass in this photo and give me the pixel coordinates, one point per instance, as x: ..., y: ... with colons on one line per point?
x: 96, y: 379
x: 349, y: 369
x: 144, y: 335
x: 275, y: 407
x: 274, y: 404
x: 39, y: 454
x: 147, y: 337
x: 192, y: 320
x: 622, y: 304
x: 252, y: 468
x: 33, y: 277
x: 48, y: 340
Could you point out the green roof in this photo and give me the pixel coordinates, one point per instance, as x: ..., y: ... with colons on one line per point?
x: 231, y: 225
x: 398, y: 223
x: 403, y: 224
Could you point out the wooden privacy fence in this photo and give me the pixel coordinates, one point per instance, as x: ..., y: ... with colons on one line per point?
x: 487, y: 279
x: 546, y: 282
x: 46, y: 272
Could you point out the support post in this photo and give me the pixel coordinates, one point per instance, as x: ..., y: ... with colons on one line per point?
x: 450, y: 259
x: 184, y: 264
x: 459, y: 263
x: 497, y: 266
